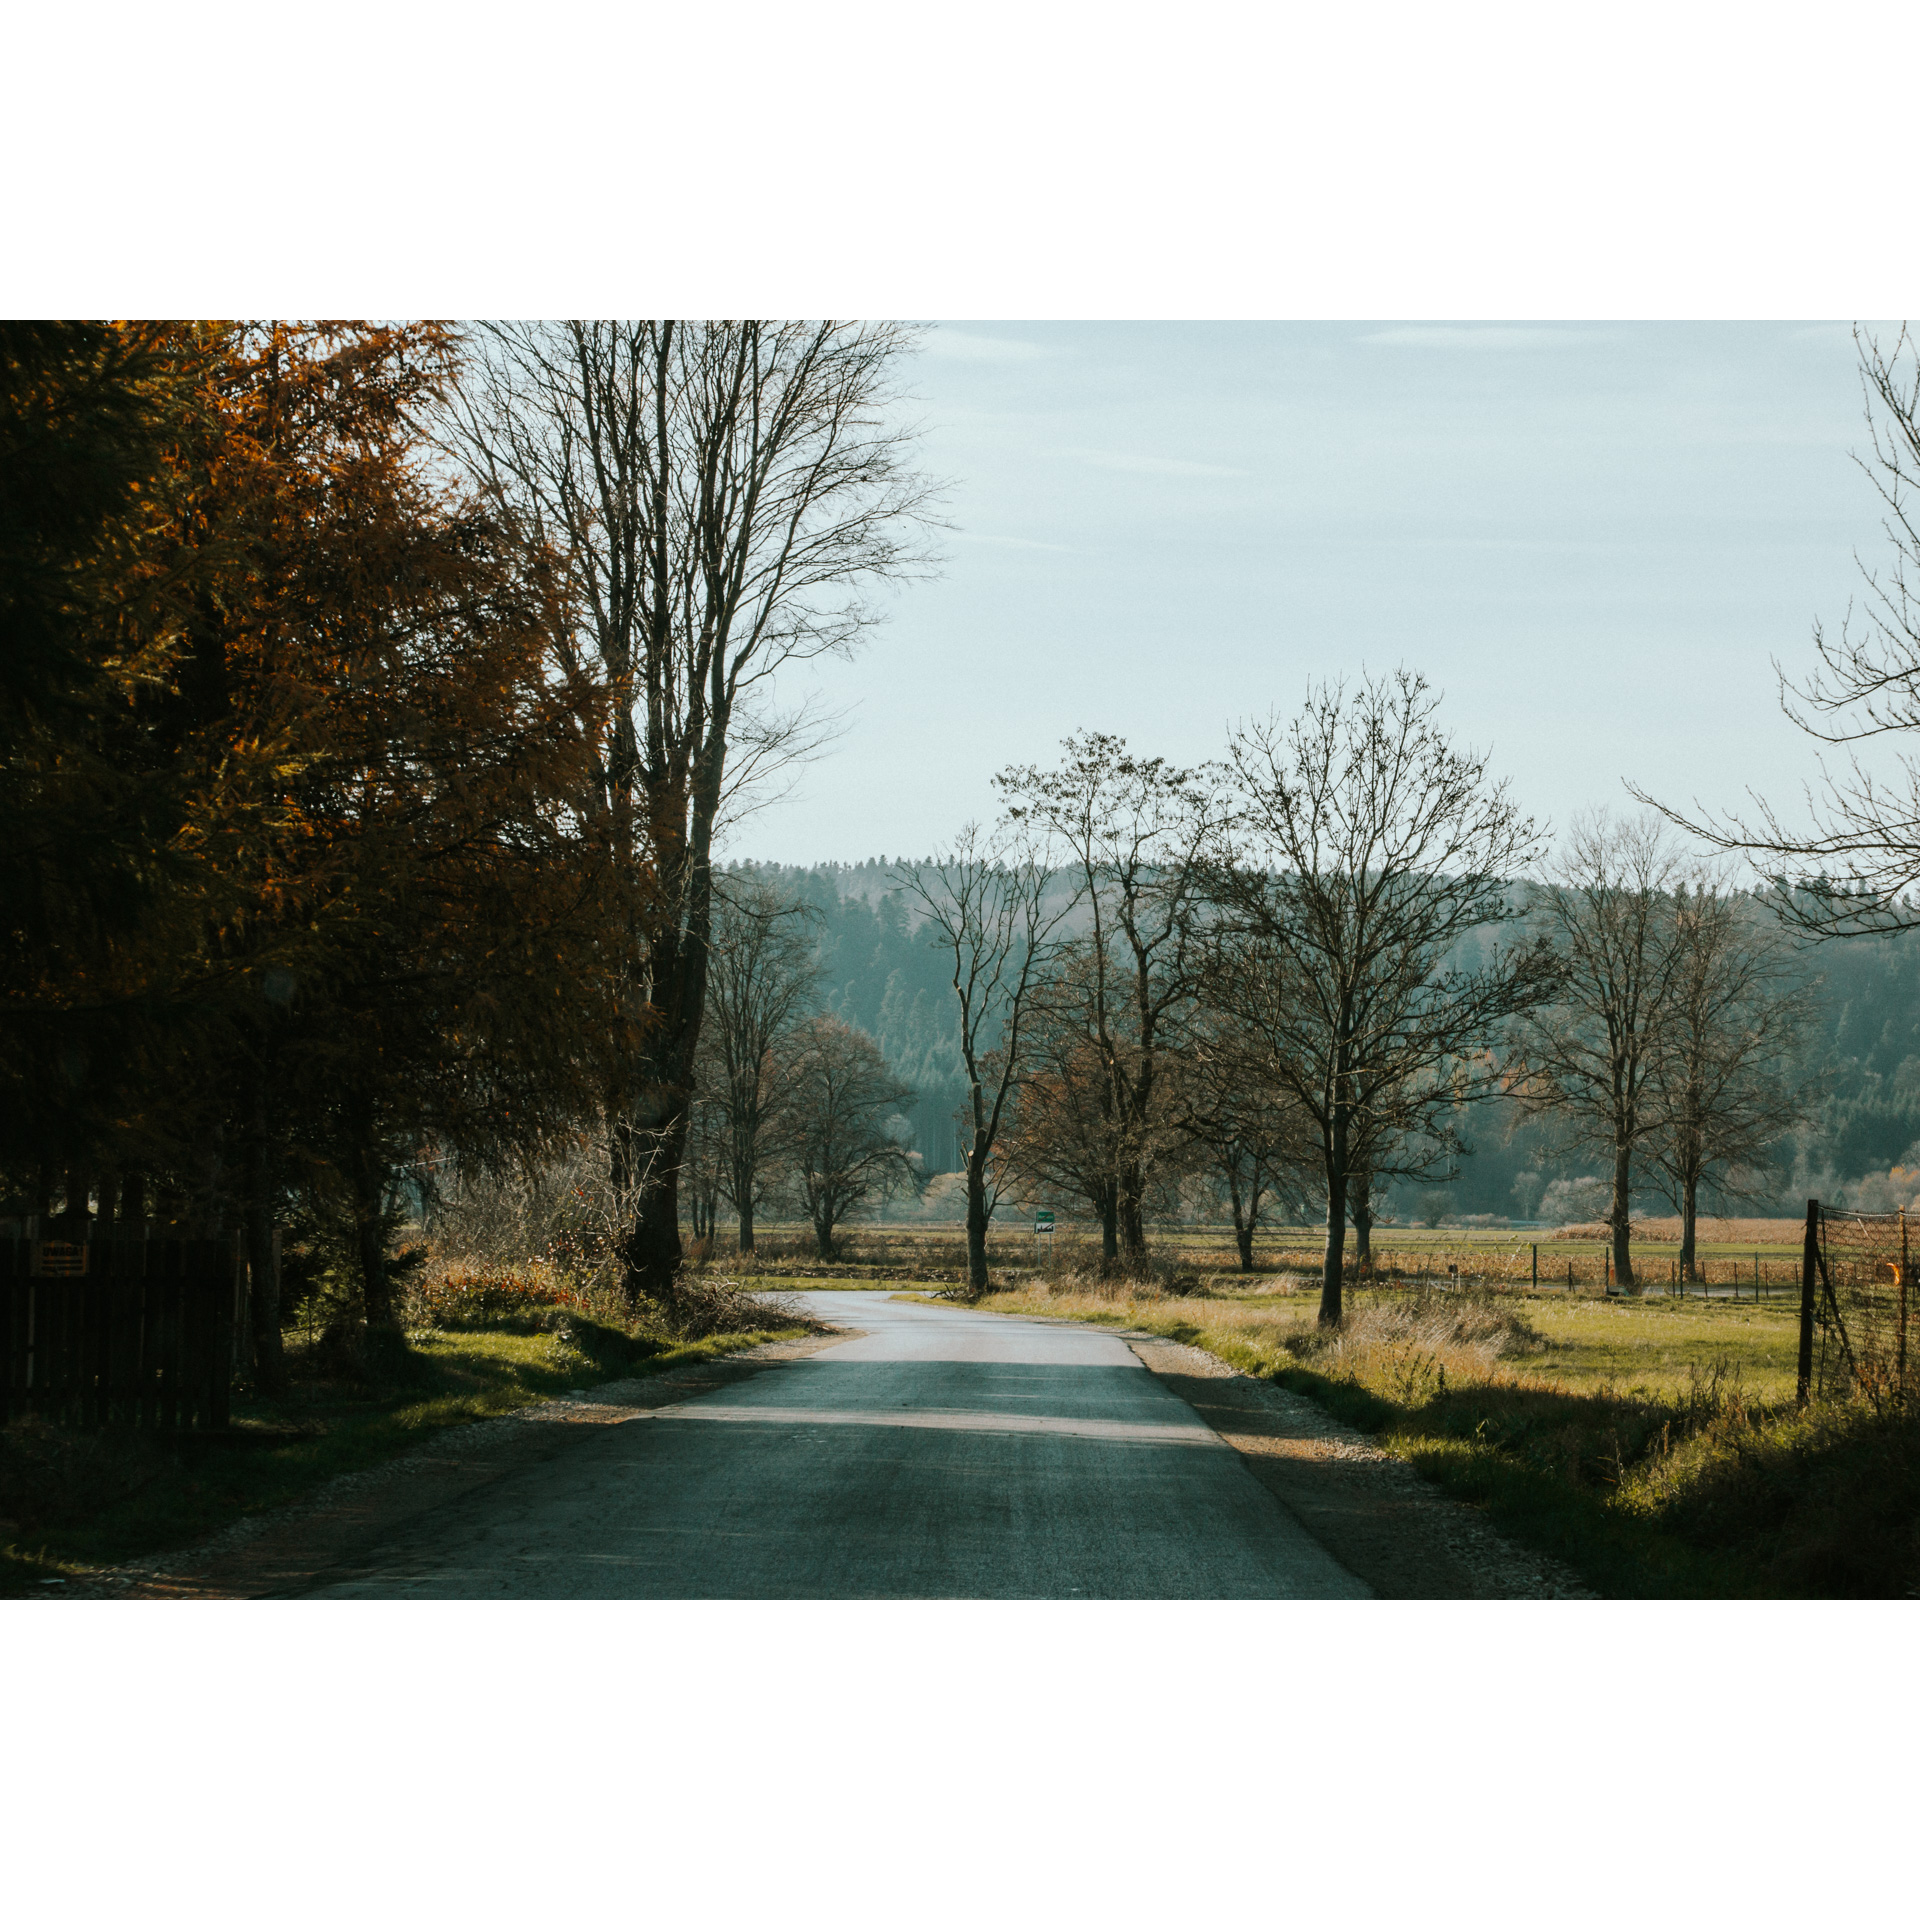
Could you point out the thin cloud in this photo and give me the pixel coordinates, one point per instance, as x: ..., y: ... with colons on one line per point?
x: 1483, y: 339
x: 1155, y: 463
x: 1011, y: 540
x: 953, y: 343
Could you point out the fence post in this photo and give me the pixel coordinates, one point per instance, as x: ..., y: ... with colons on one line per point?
x: 1901, y: 1365
x: 1809, y: 1259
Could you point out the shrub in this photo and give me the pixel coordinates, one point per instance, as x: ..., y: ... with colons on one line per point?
x: 454, y: 1295
x: 1405, y: 1347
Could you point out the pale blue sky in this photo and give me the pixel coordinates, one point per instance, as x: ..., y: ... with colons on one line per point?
x: 1591, y: 537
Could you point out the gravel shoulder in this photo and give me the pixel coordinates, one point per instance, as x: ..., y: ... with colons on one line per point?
x: 1373, y: 1513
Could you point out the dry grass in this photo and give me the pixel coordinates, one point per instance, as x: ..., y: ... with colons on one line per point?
x: 1405, y: 1344
x: 1709, y: 1230
x: 1388, y: 1338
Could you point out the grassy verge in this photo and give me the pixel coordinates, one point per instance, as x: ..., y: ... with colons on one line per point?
x: 1653, y: 1447
x: 79, y: 1499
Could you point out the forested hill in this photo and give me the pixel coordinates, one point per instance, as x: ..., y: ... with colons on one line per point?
x: 889, y: 981
x: 1869, y: 1041
x: 885, y: 978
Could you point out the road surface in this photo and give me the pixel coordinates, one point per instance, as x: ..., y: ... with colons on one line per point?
x: 945, y: 1454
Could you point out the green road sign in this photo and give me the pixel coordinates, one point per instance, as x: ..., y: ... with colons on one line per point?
x: 1042, y: 1220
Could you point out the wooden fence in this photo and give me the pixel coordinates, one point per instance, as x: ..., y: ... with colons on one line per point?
x: 139, y: 1332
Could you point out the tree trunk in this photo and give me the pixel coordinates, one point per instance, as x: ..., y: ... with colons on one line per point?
x: 654, y: 1254
x: 977, y: 1198
x: 823, y: 1232
x: 1109, y: 1229
x: 1360, y: 1190
x: 1243, y: 1218
x: 133, y: 1202
x: 1331, y: 1305
x: 1689, y: 1202
x: 976, y: 1234
x: 1132, y: 1226
x: 1623, y: 1218
x: 746, y: 1223
x: 1245, y: 1214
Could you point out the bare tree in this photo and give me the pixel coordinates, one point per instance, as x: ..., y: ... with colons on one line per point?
x: 845, y: 1154
x: 719, y: 499
x: 1062, y: 1135
x: 1856, y: 868
x: 1590, y: 1061
x: 762, y: 977
x: 996, y: 909
x: 1368, y: 849
x: 703, y: 1169
x: 1726, y: 1083
x: 1254, y: 1141
x: 1138, y: 831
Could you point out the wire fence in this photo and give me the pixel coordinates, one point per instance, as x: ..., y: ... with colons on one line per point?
x: 1506, y: 1263
x: 1855, y: 1285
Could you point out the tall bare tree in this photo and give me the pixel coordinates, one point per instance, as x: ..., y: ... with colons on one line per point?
x: 722, y: 499
x: 763, y: 975
x: 1368, y: 850
x: 1591, y: 1060
x: 848, y: 1148
x: 995, y: 908
x: 1139, y: 832
x: 1727, y: 1077
x: 1064, y: 1137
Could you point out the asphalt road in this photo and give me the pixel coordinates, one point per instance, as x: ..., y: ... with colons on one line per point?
x: 944, y: 1455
